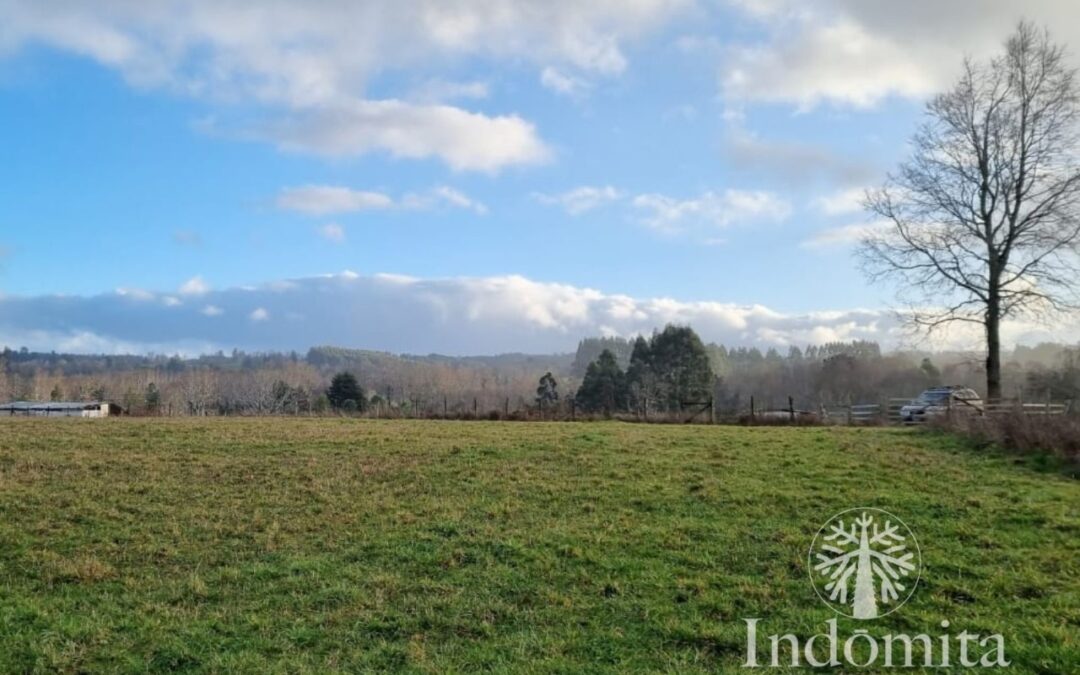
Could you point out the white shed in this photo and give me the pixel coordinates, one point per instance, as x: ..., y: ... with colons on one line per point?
x: 58, y: 409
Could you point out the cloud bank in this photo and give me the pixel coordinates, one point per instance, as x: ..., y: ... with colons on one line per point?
x: 466, y: 315
x: 462, y: 315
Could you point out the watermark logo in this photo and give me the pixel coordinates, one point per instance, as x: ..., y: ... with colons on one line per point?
x: 864, y: 563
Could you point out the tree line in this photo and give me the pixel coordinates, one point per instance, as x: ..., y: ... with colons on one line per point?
x: 647, y: 375
x: 664, y: 373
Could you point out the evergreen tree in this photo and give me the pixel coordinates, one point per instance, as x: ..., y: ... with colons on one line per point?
x: 589, y: 350
x: 640, y: 382
x: 345, y: 388
x: 604, y: 386
x: 547, y: 393
x: 681, y: 366
x: 152, y: 398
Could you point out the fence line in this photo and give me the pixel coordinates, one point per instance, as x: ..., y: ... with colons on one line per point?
x: 704, y: 410
x: 888, y: 411
x: 1006, y: 406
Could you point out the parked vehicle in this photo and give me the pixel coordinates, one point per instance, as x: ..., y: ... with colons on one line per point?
x: 938, y: 401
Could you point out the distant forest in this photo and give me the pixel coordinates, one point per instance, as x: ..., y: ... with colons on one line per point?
x: 276, y: 383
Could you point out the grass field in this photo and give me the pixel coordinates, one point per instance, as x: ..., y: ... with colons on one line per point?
x: 290, y: 545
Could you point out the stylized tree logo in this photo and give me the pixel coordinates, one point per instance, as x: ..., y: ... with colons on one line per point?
x: 864, y: 557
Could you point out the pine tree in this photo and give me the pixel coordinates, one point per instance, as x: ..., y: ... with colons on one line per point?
x: 152, y: 398
x: 640, y: 381
x: 680, y: 364
x: 604, y: 386
x: 345, y: 388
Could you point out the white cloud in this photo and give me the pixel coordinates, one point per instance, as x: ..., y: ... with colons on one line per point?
x: 458, y: 199
x: 833, y: 62
x: 581, y: 199
x: 135, y: 294
x: 320, y: 200
x: 194, y: 286
x: 462, y: 315
x: 561, y: 83
x: 440, y: 91
x: 211, y: 310
x: 716, y: 209
x: 442, y: 195
x: 309, y: 64
x: 845, y: 235
x: 465, y: 141
x: 841, y: 203
x: 858, y: 53
x: 332, y: 232
x: 310, y: 52
x: 85, y: 342
x: 710, y: 209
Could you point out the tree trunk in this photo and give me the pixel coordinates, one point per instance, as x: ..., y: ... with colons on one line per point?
x: 865, y: 604
x: 993, y: 348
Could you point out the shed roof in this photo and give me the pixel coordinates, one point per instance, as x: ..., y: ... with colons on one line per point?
x: 51, y: 405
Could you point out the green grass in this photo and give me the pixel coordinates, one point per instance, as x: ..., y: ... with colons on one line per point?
x: 279, y: 545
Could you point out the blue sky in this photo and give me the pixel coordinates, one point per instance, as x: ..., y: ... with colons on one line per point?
x: 529, y: 172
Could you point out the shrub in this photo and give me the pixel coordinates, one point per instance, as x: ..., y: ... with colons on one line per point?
x: 1054, y: 435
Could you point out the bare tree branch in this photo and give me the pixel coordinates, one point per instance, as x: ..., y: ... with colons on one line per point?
x: 984, y: 217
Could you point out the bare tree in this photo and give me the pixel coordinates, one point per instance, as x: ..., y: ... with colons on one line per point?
x: 981, y: 222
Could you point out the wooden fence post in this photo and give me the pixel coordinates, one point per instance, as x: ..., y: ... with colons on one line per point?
x: 751, y: 408
x: 791, y: 408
